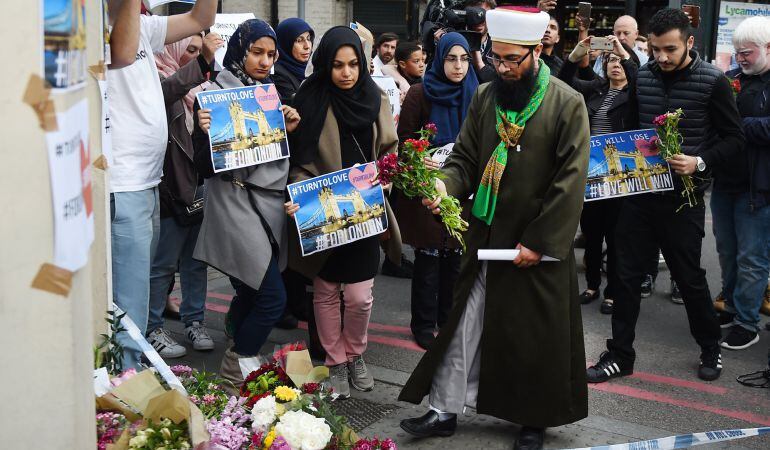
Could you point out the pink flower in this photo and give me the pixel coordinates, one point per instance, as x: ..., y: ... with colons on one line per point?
x: 124, y: 376
x: 181, y: 370
x: 279, y: 443
x: 660, y: 120
x: 209, y: 399
x: 431, y: 128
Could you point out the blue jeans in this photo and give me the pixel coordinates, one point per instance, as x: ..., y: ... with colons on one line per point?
x: 743, y: 244
x: 254, y: 312
x: 175, y: 249
x: 135, y: 224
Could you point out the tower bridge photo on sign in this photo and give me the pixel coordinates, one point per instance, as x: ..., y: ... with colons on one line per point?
x: 247, y: 126
x: 338, y: 208
x: 626, y: 163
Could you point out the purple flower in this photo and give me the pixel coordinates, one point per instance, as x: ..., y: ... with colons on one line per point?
x: 279, y: 443
x: 181, y: 370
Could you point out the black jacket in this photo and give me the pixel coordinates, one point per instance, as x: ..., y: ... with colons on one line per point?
x: 711, y: 126
x: 594, y: 91
x: 180, y: 178
x: 285, y: 83
x: 752, y: 166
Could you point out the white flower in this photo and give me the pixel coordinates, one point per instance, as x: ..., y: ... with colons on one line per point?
x: 263, y: 414
x: 138, y: 441
x: 303, y: 431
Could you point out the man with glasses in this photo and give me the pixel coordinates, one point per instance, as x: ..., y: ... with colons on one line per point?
x: 522, y: 152
x: 741, y: 194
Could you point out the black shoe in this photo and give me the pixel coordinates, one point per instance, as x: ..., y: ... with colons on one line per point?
x: 710, y: 364
x: 739, y: 338
x: 405, y: 270
x: 606, y: 306
x: 676, y: 296
x: 430, y: 425
x: 586, y: 297
x: 424, y: 339
x: 530, y: 438
x: 648, y: 286
x: 608, y: 367
x: 725, y: 319
x: 287, y: 322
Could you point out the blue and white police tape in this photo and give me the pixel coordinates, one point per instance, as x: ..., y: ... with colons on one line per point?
x: 685, y: 440
x: 149, y: 352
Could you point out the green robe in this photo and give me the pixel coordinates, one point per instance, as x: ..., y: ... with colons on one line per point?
x: 532, y: 368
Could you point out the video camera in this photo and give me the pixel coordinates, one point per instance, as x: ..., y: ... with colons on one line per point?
x: 452, y: 15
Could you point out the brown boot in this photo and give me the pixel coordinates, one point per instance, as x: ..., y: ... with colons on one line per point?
x: 230, y: 370
x: 765, y: 308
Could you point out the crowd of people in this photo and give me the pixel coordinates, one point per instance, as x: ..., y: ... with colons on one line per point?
x: 520, y: 119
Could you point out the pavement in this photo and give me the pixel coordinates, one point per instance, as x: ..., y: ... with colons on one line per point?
x: 664, y: 397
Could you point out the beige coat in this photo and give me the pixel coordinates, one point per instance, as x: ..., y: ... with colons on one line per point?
x: 330, y: 160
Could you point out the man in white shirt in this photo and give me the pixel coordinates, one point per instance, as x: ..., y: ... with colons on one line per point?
x: 386, y: 51
x: 627, y: 30
x: 139, y: 138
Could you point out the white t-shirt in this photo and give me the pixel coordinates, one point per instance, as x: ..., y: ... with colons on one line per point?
x: 138, y: 114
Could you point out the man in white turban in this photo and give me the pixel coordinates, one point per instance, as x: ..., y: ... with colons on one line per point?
x: 513, y: 345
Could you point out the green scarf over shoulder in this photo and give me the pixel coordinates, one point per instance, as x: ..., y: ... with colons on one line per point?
x: 510, y: 127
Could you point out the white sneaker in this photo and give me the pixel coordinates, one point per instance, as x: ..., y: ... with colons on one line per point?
x: 165, y: 345
x: 198, y: 336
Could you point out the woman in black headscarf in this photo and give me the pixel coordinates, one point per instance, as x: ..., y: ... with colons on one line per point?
x: 347, y: 121
x: 243, y: 233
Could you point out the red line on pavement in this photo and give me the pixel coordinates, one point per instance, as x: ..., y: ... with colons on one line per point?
x: 217, y: 308
x: 694, y: 385
x: 219, y: 296
x: 660, y: 398
x: 391, y: 328
x: 386, y: 340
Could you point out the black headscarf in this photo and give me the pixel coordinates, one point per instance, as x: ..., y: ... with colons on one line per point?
x: 246, y: 34
x: 288, y: 31
x: 355, y: 108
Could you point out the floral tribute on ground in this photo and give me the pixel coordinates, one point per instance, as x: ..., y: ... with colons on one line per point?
x: 270, y: 413
x: 409, y: 174
x: 670, y: 144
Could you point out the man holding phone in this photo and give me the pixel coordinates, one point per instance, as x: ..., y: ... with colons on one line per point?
x: 626, y: 30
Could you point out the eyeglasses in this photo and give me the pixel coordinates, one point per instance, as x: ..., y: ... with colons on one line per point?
x: 495, y: 61
x: 454, y: 59
x: 614, y: 59
x: 744, y: 53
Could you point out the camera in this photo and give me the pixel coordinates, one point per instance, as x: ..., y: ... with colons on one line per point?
x: 452, y: 15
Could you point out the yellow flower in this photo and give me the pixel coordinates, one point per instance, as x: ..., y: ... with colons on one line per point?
x: 285, y: 393
x: 269, y: 439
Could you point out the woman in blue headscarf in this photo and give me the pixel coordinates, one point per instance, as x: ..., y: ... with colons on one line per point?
x: 243, y: 233
x: 295, y: 42
x: 443, y: 99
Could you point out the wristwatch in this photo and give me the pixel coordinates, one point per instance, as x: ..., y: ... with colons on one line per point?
x: 700, y: 164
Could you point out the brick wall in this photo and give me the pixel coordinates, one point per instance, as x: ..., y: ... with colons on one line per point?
x: 320, y: 14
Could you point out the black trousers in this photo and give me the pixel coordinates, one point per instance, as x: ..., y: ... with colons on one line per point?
x: 432, y: 288
x: 646, y: 222
x: 598, y: 222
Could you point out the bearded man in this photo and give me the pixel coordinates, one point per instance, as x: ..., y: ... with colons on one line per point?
x: 513, y: 345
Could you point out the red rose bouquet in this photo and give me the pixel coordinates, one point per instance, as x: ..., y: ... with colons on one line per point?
x: 408, y: 173
x: 669, y: 144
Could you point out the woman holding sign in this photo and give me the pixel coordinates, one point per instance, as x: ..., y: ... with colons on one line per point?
x: 348, y: 122
x: 607, y: 100
x: 244, y: 227
x: 442, y: 99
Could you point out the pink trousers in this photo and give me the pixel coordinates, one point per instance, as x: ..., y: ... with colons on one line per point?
x: 342, y: 340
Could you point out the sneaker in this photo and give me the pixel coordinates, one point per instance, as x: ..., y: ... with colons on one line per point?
x: 360, y: 377
x: 710, y: 364
x: 725, y: 319
x: 165, y: 345
x: 608, y: 367
x: 648, y: 286
x: 739, y: 338
x: 338, y: 381
x: 198, y: 336
x: 676, y: 296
